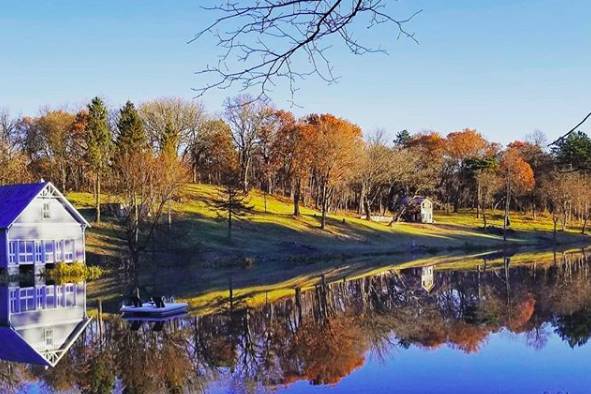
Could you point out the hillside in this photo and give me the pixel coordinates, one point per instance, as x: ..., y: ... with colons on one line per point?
x: 199, y: 232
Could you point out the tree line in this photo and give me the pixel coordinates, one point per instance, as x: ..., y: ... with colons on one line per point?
x: 145, y: 154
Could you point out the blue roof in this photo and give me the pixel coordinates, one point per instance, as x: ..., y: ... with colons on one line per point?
x: 15, y: 198
x: 15, y: 348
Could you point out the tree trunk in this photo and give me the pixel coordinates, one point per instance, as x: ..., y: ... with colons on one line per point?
x: 555, y: 222
x: 367, y: 210
x: 63, y: 180
x: 230, y: 216
x: 507, y: 202
x: 296, y: 197
x: 98, y: 198
x: 245, y: 174
x: 136, y: 212
x: 478, y: 198
x: 324, y: 203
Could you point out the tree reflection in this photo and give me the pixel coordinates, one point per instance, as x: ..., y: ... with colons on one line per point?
x: 324, y: 334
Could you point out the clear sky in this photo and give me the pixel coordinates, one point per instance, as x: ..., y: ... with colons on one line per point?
x: 503, y: 67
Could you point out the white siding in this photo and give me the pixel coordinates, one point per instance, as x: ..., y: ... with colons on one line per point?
x: 60, y: 228
x: 34, y: 212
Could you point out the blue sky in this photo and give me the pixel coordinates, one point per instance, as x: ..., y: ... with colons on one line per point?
x: 503, y: 67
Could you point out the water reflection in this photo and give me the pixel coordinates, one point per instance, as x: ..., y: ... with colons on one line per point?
x: 40, y: 322
x: 324, y: 334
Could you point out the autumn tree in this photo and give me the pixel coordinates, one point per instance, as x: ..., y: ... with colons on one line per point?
x: 77, y: 164
x: 532, y: 150
x: 212, y: 150
x: 482, y: 170
x: 99, y: 146
x: 461, y: 146
x: 270, y: 149
x: 489, y: 183
x: 296, y: 143
x: 336, y: 147
x: 48, y: 144
x: 518, y: 178
x: 13, y: 162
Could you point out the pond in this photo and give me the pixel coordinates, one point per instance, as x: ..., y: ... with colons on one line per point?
x: 500, y: 325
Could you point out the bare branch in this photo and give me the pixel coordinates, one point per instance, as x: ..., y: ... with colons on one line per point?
x: 262, y: 40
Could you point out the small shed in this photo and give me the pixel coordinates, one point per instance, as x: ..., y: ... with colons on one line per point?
x: 418, y: 209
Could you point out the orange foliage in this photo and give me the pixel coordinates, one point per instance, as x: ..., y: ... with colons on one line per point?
x: 521, y: 313
x: 330, y: 351
x: 467, y: 337
x: 431, y: 143
x: 465, y: 144
x: 519, y: 173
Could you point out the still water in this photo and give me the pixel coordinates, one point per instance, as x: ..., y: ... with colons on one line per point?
x: 492, y: 327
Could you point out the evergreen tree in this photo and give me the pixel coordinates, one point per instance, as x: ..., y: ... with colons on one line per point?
x: 574, y: 151
x: 132, y: 136
x: 169, y: 141
x: 402, y: 138
x: 99, y: 142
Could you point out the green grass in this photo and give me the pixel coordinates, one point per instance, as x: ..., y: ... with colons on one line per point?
x: 199, y: 227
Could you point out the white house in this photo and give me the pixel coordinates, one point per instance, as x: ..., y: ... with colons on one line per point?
x: 38, y: 226
x: 418, y: 209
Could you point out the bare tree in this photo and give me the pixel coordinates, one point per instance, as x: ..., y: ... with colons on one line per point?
x: 262, y: 40
x: 245, y: 115
x: 183, y: 118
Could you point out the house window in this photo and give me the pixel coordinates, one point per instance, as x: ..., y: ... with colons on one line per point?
x: 50, y: 297
x: 59, y: 296
x: 48, y: 338
x: 27, y: 299
x: 70, y: 296
x: 69, y: 250
x: 40, y: 298
x: 46, y: 211
x: 14, y: 301
x: 49, y: 251
x: 12, y: 252
x: 59, y: 251
x: 39, y: 251
x: 25, y: 251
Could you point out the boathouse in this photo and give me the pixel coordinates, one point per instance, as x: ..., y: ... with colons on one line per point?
x: 38, y: 226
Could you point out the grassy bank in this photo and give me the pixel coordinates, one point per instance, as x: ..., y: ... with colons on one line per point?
x: 199, y: 232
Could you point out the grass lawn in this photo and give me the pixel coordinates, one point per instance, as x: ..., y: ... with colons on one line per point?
x: 200, y: 233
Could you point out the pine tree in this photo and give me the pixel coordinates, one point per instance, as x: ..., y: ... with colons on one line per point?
x: 169, y: 140
x: 132, y: 136
x: 99, y: 142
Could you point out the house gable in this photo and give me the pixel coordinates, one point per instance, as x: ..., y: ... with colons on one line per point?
x: 36, y: 204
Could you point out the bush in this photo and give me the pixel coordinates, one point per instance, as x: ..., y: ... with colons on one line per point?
x: 74, y: 271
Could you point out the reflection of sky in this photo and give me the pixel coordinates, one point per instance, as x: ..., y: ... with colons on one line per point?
x: 505, y: 364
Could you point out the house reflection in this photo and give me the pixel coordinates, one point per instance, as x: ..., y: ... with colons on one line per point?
x: 40, y: 322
